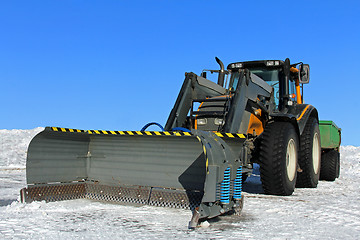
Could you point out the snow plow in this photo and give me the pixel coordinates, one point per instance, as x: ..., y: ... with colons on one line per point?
x: 193, y: 170
x: 198, y: 161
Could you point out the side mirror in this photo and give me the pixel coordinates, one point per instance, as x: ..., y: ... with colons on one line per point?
x: 304, y: 73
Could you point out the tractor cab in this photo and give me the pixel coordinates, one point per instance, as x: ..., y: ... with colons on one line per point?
x: 280, y: 80
x: 284, y: 78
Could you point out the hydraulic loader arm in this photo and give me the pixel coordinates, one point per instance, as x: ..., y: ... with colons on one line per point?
x: 249, y: 90
x: 194, y: 87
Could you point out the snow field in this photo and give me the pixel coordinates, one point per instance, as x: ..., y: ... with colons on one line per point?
x: 331, y: 211
x: 13, y: 146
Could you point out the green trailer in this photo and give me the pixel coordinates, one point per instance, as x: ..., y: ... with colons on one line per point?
x: 330, y: 150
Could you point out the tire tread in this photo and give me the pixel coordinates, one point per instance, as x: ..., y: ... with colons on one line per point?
x: 330, y: 165
x: 306, y: 178
x: 272, y: 147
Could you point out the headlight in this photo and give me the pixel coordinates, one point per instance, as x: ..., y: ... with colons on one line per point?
x: 236, y: 65
x: 270, y: 63
x: 201, y: 121
x: 219, y: 121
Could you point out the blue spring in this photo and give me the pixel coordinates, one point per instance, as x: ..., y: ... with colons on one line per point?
x: 238, y: 184
x: 225, y: 187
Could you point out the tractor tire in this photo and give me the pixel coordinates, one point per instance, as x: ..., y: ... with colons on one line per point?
x: 309, y: 156
x: 278, y: 158
x: 330, y: 165
x: 338, y: 165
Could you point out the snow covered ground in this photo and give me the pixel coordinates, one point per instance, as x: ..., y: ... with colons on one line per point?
x: 331, y: 211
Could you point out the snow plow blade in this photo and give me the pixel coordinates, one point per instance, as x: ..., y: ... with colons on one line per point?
x: 196, y: 171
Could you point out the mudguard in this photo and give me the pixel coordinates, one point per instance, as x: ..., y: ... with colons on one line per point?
x: 305, y: 111
x: 298, y: 114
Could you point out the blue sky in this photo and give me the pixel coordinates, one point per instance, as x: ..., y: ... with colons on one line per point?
x: 117, y: 65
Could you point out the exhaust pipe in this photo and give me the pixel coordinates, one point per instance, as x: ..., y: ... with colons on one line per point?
x: 221, y: 72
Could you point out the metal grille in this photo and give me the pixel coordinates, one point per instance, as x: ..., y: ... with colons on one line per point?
x: 175, y: 198
x: 120, y: 194
x: 135, y: 195
x: 52, y: 193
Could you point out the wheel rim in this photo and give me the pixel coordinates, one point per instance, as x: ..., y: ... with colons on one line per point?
x: 316, y: 153
x: 291, y: 160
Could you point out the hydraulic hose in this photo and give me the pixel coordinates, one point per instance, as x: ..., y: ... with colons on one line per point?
x: 152, y: 123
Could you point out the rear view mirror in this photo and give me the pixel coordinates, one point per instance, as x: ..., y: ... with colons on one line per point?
x: 304, y: 73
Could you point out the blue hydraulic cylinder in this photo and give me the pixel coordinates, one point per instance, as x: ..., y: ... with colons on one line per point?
x: 238, y: 184
x: 225, y: 187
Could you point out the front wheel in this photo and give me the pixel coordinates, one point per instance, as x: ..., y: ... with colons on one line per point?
x: 278, y: 158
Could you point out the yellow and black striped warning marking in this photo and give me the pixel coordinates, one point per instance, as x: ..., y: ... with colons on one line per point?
x: 129, y: 133
x: 142, y: 133
x: 206, y: 156
x: 58, y: 129
x: 139, y: 133
x: 230, y: 135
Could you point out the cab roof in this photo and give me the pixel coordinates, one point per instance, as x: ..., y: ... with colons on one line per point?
x: 252, y: 64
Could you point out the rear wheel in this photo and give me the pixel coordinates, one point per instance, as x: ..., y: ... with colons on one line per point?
x: 330, y: 165
x: 278, y: 158
x: 309, y: 155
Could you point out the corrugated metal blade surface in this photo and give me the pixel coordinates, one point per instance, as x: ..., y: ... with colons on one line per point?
x: 154, y: 161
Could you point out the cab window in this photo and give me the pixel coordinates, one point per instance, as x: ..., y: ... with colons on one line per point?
x: 271, y: 76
